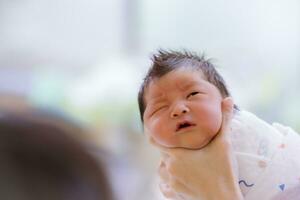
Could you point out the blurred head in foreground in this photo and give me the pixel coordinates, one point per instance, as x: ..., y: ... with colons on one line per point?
x: 39, y: 160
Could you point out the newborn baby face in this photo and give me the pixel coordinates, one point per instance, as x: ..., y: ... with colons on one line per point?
x: 182, y: 109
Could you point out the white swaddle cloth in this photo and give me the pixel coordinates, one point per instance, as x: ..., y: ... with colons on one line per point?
x: 267, y: 156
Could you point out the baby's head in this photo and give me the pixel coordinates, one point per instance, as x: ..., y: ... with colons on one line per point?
x: 180, y: 100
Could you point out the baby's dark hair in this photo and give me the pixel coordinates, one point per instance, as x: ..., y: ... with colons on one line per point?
x: 165, y: 61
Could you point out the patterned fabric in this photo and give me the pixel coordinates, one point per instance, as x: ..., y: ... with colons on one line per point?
x: 268, y: 158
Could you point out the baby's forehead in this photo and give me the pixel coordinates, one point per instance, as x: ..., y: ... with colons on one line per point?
x: 152, y: 90
x: 182, y: 81
x: 182, y: 74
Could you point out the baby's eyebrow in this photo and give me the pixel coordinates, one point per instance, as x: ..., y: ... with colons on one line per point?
x: 157, y: 101
x: 157, y: 96
x: 188, y: 85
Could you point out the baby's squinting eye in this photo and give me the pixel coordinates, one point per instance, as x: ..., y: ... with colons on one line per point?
x: 192, y: 94
x: 158, y: 109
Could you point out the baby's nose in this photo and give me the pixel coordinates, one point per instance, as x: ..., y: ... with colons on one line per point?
x: 179, y: 110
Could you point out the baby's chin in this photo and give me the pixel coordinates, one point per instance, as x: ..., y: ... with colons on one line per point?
x: 195, y: 146
x: 192, y: 145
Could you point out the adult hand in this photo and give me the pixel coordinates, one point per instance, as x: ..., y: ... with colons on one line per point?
x: 205, y: 174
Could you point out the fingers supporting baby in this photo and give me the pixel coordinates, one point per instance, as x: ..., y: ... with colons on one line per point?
x: 179, y: 169
x: 165, y: 151
x: 170, y: 187
x: 196, y: 172
x: 223, y: 136
x: 227, y: 113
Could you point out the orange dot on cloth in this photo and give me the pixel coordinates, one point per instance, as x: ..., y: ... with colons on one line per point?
x: 262, y: 164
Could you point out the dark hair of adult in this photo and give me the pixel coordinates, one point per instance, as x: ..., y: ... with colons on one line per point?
x: 39, y: 161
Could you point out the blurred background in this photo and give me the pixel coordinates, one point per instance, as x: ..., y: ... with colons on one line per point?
x: 85, y: 60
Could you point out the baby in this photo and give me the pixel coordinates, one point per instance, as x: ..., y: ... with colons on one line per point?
x: 180, y: 106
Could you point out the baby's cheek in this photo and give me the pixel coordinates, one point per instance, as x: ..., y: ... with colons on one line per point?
x: 213, y: 120
x: 162, y: 133
x: 217, y: 124
x: 164, y: 139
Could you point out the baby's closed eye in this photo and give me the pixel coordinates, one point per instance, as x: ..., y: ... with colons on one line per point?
x: 159, y: 108
x: 192, y: 94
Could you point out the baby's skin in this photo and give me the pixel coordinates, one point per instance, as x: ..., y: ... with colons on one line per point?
x: 182, y: 109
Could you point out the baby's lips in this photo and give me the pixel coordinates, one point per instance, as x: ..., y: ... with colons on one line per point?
x: 183, y: 124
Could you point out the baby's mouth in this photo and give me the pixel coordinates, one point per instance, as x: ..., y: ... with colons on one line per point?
x: 183, y: 125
